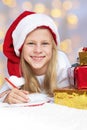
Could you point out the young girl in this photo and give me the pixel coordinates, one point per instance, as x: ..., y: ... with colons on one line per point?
x: 33, y: 60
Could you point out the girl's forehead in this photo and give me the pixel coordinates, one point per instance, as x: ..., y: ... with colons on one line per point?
x: 41, y: 33
x: 41, y: 29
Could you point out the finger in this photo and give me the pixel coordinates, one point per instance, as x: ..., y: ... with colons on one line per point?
x: 18, y: 96
x: 24, y: 91
x: 21, y: 93
x: 13, y: 100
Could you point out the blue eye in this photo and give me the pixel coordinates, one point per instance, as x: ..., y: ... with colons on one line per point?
x: 30, y: 43
x: 45, y: 43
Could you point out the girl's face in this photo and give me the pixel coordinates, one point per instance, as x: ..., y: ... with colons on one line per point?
x: 37, y: 50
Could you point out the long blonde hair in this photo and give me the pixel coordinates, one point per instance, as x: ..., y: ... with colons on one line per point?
x: 31, y: 82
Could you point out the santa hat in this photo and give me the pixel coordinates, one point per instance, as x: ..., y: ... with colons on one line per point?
x: 16, y: 34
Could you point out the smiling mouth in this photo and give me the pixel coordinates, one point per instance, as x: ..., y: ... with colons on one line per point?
x: 37, y: 58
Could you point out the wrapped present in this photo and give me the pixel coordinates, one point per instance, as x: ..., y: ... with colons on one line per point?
x: 80, y: 76
x: 71, y: 97
x: 71, y: 74
x: 83, y: 56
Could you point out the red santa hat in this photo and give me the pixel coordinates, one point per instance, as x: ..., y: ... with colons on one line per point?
x: 16, y: 34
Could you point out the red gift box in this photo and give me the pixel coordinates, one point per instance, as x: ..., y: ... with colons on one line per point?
x: 80, y: 76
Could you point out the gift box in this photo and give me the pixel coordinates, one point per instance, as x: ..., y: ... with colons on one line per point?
x: 71, y: 74
x: 80, y: 77
x: 83, y: 56
x: 71, y: 97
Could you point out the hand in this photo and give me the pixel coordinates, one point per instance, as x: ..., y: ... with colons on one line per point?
x: 17, y: 96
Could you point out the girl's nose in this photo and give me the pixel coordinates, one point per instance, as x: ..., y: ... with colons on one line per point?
x: 38, y: 48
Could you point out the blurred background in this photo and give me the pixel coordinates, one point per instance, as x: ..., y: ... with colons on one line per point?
x: 70, y: 17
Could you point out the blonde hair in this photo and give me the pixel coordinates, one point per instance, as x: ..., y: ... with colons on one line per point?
x: 31, y: 82
x: 51, y: 75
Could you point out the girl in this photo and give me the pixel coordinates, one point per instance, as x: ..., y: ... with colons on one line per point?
x: 34, y: 62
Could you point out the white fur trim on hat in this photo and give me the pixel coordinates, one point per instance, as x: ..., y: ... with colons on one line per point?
x: 28, y: 24
x: 18, y: 82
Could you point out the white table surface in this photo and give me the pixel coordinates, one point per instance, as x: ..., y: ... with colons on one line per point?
x: 49, y: 116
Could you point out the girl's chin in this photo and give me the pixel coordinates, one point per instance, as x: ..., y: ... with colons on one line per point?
x: 37, y: 67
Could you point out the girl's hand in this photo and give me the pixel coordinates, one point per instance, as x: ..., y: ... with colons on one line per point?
x: 17, y: 96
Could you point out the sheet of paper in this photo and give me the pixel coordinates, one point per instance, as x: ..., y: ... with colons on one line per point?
x: 35, y: 99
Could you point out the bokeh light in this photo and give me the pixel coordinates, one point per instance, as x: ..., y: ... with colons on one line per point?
x: 27, y: 5
x: 10, y: 3
x: 67, y: 4
x: 39, y: 8
x: 56, y: 13
x: 72, y: 19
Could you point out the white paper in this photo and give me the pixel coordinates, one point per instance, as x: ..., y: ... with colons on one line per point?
x: 35, y: 99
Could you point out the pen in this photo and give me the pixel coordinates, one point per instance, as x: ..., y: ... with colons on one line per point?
x: 11, y: 83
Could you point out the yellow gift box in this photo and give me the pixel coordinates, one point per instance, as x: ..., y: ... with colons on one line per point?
x: 83, y: 58
x: 71, y: 97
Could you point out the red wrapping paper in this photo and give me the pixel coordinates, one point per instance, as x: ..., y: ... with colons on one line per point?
x: 80, y: 74
x: 84, y: 49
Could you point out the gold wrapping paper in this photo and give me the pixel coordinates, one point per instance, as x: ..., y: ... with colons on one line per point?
x: 71, y: 97
x: 83, y: 58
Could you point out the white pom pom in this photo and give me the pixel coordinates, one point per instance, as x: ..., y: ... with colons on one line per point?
x: 17, y: 81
